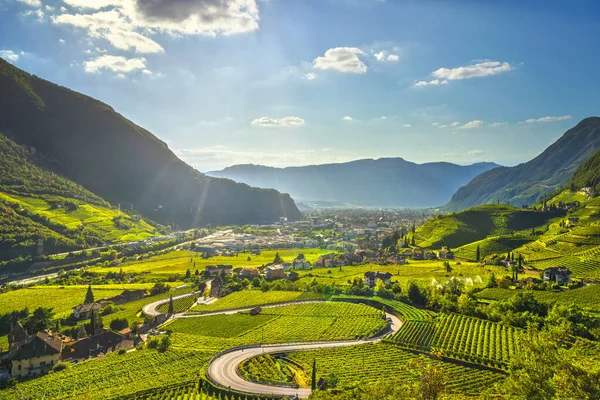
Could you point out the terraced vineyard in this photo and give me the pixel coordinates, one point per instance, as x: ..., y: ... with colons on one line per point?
x: 294, y: 323
x: 402, y: 310
x: 459, y: 336
x: 251, y: 298
x: 587, y: 297
x: 179, y: 305
x: 274, y: 370
x: 368, y: 363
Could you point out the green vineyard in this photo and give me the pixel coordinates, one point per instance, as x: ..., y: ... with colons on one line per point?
x: 179, y: 305
x: 458, y: 336
x: 402, y: 310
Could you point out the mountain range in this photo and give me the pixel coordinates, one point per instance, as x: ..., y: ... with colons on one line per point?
x: 89, y: 143
x: 525, y: 183
x: 385, y: 182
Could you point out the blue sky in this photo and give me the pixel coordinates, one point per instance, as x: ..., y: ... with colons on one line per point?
x: 286, y: 82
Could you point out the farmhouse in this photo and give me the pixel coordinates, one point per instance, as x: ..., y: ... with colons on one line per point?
x: 34, y: 355
x: 214, y: 270
x: 396, y: 259
x: 84, y: 311
x: 372, y: 277
x: 92, y: 346
x: 127, y: 296
x: 560, y: 275
x: 247, y: 272
x: 217, y: 287
x: 300, y: 262
x: 418, y: 254
x: 445, y: 254
x: 274, y: 272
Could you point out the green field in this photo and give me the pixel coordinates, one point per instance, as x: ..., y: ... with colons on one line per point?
x: 97, y: 219
x: 587, y: 297
x: 292, y: 323
x: 251, y: 298
x: 62, y: 299
x: 366, y: 363
x: 459, y: 336
x: 180, y: 261
x: 179, y: 305
x: 403, y: 311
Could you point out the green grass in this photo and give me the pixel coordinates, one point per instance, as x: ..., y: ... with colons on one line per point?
x: 62, y: 298
x: 459, y: 336
x: 376, y: 362
x: 492, y: 245
x: 587, y: 297
x: 180, y: 261
x: 251, y: 298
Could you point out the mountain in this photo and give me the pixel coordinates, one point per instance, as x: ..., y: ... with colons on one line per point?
x: 386, y: 182
x: 525, y: 183
x: 588, y: 175
x: 89, y: 143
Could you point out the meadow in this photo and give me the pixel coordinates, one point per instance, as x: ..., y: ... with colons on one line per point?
x: 62, y: 299
x: 365, y: 363
x: 179, y: 262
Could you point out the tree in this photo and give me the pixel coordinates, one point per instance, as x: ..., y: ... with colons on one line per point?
x: 477, y: 254
x: 414, y: 294
x: 119, y: 324
x: 158, y: 288
x: 447, y: 267
x: 95, y: 323
x: 188, y: 274
x: 89, y: 295
x: 413, y: 240
x: 81, y: 332
x: 313, y: 383
x: 493, y: 282
x: 171, y: 307
x: 39, y: 320
x: 278, y: 259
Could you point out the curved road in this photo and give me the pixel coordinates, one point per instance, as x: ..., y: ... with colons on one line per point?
x: 151, y: 309
x: 222, y: 369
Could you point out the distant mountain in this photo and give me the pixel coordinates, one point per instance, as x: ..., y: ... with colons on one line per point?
x: 525, y: 183
x: 88, y: 142
x: 386, y: 182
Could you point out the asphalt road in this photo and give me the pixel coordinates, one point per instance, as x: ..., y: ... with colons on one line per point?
x: 222, y: 370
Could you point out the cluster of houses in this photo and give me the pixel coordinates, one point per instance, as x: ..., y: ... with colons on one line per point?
x: 84, y: 311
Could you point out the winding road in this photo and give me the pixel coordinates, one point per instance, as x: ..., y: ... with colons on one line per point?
x: 223, y: 368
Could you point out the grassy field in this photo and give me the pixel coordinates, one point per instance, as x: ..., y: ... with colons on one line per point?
x: 293, y: 323
x: 364, y: 363
x: 251, y: 298
x: 62, y: 298
x: 96, y: 218
x: 587, y: 297
x: 459, y: 336
x: 417, y: 271
x: 180, y: 261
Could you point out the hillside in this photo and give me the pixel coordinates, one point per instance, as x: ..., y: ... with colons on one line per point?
x: 390, y: 182
x: 588, y: 175
x: 481, y: 223
x: 38, y: 204
x: 89, y: 143
x: 525, y: 183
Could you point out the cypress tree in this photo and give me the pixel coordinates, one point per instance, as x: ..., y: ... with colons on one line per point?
x: 171, y: 308
x: 188, y: 274
x: 313, y: 384
x: 89, y: 295
x: 93, y: 323
x: 477, y: 254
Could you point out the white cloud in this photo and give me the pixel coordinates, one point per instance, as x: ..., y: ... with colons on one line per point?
x: 476, y: 152
x: 452, y: 125
x: 32, y: 3
x: 547, y: 119
x: 472, y: 124
x: 281, y: 122
x: 61, y: 41
x: 486, y: 68
x: 406, y: 125
x: 342, y: 59
x: 127, y: 24
x: 348, y: 118
x: 495, y: 124
x: 383, y: 56
x: 311, y: 76
x: 383, y: 117
x: 10, y: 55
x: 434, y: 82
x: 114, y: 63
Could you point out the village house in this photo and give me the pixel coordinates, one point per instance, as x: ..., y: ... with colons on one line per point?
x: 246, y: 273
x: 418, y: 254
x: 430, y: 255
x: 127, y: 296
x: 35, y: 354
x: 560, y: 275
x: 217, y: 287
x: 301, y: 262
x: 274, y: 272
x: 445, y: 254
x: 214, y: 270
x: 396, y: 259
x: 372, y: 277
x: 92, y: 346
x: 84, y: 311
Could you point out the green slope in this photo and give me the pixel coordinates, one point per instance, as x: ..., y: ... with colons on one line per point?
x: 479, y: 223
x: 38, y: 204
x: 525, y: 183
x: 588, y: 174
x: 91, y: 144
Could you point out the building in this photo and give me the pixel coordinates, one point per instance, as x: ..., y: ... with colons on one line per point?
x: 274, y: 272
x: 314, y: 221
x: 247, y: 273
x: 84, y: 311
x: 217, y: 287
x: 372, y: 277
x: 396, y: 259
x: 35, y: 355
x: 214, y: 270
x: 301, y: 263
x: 127, y: 296
x: 445, y: 254
x: 92, y: 346
x: 560, y: 275
x: 418, y: 254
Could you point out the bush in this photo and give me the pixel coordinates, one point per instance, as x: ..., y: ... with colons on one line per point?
x: 61, y: 366
x: 119, y: 324
x: 122, y: 351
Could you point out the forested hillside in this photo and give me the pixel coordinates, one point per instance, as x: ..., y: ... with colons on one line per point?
x: 88, y: 142
x: 588, y: 175
x: 36, y: 203
x: 525, y: 183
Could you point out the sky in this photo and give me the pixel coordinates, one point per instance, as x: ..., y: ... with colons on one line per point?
x: 300, y: 82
